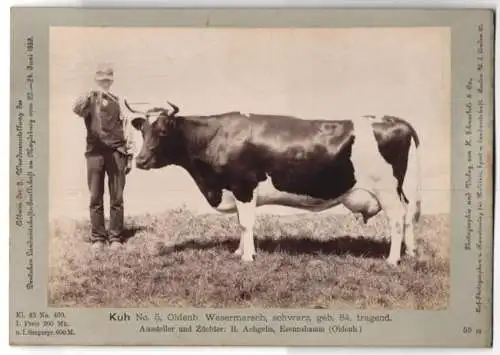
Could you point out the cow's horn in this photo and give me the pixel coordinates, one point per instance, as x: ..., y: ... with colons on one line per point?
x: 176, y: 109
x: 132, y: 110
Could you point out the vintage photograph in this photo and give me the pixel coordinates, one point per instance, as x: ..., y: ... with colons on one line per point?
x: 250, y: 167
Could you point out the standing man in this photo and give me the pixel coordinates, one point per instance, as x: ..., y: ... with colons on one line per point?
x: 109, y: 152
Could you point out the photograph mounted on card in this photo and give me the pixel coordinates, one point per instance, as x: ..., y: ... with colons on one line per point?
x: 308, y: 179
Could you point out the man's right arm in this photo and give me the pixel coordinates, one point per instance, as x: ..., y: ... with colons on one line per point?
x: 82, y: 105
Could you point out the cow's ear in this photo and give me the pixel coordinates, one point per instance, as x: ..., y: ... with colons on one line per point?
x: 138, y: 122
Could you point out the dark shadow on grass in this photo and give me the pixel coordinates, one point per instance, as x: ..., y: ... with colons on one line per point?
x: 131, y: 232
x: 360, y: 246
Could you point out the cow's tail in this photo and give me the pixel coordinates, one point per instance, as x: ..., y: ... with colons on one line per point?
x: 412, y: 183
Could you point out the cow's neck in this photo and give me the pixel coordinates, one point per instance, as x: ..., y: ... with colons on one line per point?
x: 195, y: 133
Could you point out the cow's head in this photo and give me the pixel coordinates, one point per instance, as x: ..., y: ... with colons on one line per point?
x: 158, y: 129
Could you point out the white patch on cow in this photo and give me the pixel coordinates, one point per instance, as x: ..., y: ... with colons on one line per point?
x: 369, y: 165
x: 246, y: 114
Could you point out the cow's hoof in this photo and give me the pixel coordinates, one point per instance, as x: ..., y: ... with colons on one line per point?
x: 238, y: 252
x: 247, y: 258
x: 410, y: 253
x: 392, y: 262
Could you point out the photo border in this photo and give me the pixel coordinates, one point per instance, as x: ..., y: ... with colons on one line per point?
x: 409, y: 327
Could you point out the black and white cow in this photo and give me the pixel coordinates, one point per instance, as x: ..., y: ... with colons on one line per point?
x: 242, y: 161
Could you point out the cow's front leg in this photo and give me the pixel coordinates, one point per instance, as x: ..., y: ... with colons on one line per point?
x: 246, y: 218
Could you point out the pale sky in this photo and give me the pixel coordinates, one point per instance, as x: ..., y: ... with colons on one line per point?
x: 310, y: 73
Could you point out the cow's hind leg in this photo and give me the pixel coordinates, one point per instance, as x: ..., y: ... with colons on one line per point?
x: 395, y: 212
x: 409, y: 236
x: 246, y: 218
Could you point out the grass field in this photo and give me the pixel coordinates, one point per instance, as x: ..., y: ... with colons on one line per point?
x: 178, y: 259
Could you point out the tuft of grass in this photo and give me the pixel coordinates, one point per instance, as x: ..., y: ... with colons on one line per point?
x: 179, y: 259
